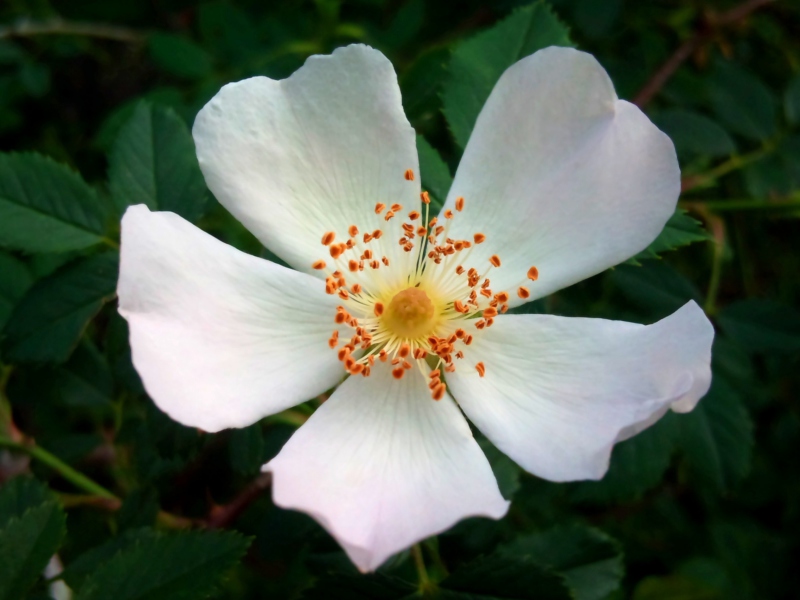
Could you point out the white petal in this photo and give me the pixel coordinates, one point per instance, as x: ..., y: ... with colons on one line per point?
x: 382, y: 466
x: 219, y: 337
x: 561, y: 175
x: 558, y: 392
x: 316, y: 152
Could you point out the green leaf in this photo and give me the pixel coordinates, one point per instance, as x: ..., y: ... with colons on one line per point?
x: 505, y: 470
x: 79, y: 569
x: 373, y: 586
x: 15, y: 279
x: 26, y: 544
x: 637, y: 465
x: 716, y: 438
x: 655, y: 287
x: 47, y: 207
x: 499, y: 577
x: 479, y: 62
x: 175, y: 566
x: 680, y: 230
x: 742, y: 102
x: 694, y: 134
x: 434, y: 173
x: 791, y: 100
x: 85, y: 380
x: 762, y: 325
x: 153, y: 162
x: 179, y: 56
x: 590, y: 561
x: 20, y: 494
x: 596, y: 18
x: 247, y: 449
x: 421, y: 81
x: 49, y: 320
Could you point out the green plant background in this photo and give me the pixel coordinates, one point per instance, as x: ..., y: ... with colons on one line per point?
x: 96, y: 101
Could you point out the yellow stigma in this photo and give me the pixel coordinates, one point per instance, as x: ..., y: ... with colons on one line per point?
x: 409, y: 314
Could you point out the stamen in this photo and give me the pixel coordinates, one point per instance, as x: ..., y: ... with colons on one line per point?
x: 318, y: 265
x: 398, y: 372
x: 495, y: 260
x: 379, y: 208
x: 413, y: 215
x: 459, y: 204
x: 352, y: 230
x: 533, y: 273
x: 425, y: 197
x: 523, y: 292
x: 328, y: 238
x: 448, y: 214
x: 481, y: 369
x: 479, y: 238
x: 409, y: 175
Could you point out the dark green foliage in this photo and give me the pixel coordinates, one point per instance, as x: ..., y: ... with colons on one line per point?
x: 701, y: 505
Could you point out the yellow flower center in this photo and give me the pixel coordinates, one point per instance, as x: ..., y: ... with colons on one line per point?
x: 428, y: 318
x: 410, y: 314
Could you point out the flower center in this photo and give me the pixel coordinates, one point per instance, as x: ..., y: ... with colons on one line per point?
x: 386, y: 304
x: 410, y: 313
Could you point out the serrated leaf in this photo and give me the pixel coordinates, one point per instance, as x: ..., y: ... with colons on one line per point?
x: 637, y: 465
x: 247, y: 449
x: 694, y: 134
x: 26, y: 544
x: 590, y: 561
x: 85, y: 381
x: 761, y: 325
x: 434, y: 173
x: 479, y: 62
x: 15, y: 279
x: 153, y: 162
x: 654, y: 287
x: 47, y: 207
x: 87, y: 563
x: 499, y: 577
x: 48, y: 322
x: 680, y: 230
x: 175, y: 566
x: 742, y: 102
x: 179, y: 56
x: 20, y: 494
x: 372, y: 586
x: 716, y: 438
x: 421, y: 81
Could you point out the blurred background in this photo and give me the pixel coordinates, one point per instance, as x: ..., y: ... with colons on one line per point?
x: 700, y: 506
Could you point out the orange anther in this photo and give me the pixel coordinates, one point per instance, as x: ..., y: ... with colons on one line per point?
x: 343, y: 294
x: 435, y: 374
x: 459, y: 204
x: 409, y: 175
x: 398, y: 372
x: 396, y: 207
x: 377, y: 234
x: 413, y: 215
x: 367, y: 254
x: 356, y: 368
x: 406, y: 365
x: 421, y: 231
x: 378, y: 310
x: 479, y: 238
x: 495, y: 260
x: 501, y: 297
x: 336, y: 251
x: 533, y: 273
x: 319, y: 265
x: 404, y: 350
x: 459, y: 270
x: 480, y: 323
x: 459, y: 354
x: 340, y: 318
x: 385, y: 261
x: 388, y: 216
x: 468, y: 340
x: 328, y: 238
x: 367, y: 238
x: 379, y: 208
x: 481, y: 369
x: 490, y: 312
x: 438, y: 392
x: 353, y: 265
x: 438, y: 230
x: 425, y: 197
x: 352, y: 230
x: 448, y: 214
x: 374, y: 264
x: 382, y: 356
x: 356, y: 288
x: 433, y: 222
x: 523, y: 292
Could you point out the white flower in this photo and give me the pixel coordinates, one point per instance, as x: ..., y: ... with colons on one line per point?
x: 559, y: 175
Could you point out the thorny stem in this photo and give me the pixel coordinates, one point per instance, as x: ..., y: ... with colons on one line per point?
x: 709, y: 28
x: 58, y: 26
x: 78, y: 479
x: 734, y: 163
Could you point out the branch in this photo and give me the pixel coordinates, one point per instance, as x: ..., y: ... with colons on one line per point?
x: 226, y: 514
x: 57, y: 26
x: 713, y: 23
